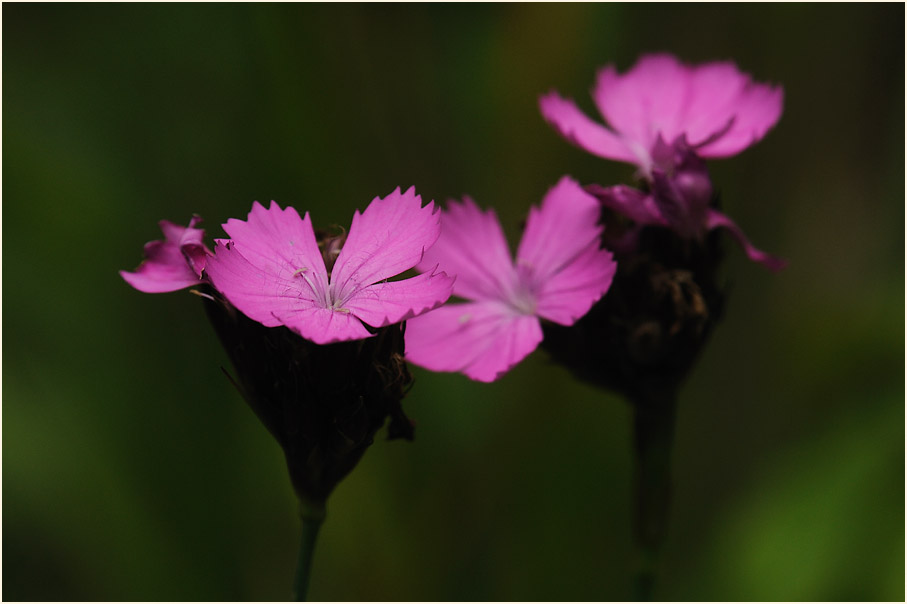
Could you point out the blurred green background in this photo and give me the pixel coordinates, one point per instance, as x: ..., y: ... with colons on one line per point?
x: 133, y: 471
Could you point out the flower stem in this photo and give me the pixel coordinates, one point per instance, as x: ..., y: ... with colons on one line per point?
x: 312, y: 515
x: 653, y: 437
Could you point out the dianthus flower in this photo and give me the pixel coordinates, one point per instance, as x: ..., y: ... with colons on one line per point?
x: 175, y: 263
x: 559, y: 273
x: 665, y: 117
x: 273, y: 270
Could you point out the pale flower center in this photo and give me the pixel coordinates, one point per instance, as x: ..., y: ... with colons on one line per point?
x: 522, y: 296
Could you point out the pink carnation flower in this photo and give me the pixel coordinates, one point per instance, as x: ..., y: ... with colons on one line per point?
x: 559, y: 273
x: 664, y: 116
x: 175, y: 263
x: 274, y: 272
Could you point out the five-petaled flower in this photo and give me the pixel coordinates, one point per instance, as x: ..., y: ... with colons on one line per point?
x: 273, y: 270
x: 665, y: 117
x: 559, y: 273
x: 175, y: 263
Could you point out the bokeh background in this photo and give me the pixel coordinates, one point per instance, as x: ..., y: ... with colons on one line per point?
x: 133, y: 471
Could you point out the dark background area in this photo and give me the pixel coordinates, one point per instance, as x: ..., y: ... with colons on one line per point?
x: 133, y: 471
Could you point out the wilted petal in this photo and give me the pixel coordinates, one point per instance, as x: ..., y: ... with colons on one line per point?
x: 632, y: 203
x: 172, y: 264
x: 583, y: 132
x: 482, y: 340
x: 388, y: 238
x: 716, y: 219
x: 394, y: 301
x: 472, y: 247
x: 569, y: 294
x: 564, y: 226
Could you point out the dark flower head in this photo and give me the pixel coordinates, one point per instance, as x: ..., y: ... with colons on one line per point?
x: 645, y: 335
x: 323, y: 403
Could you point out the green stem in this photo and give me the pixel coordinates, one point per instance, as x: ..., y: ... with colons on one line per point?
x: 312, y: 515
x: 653, y: 438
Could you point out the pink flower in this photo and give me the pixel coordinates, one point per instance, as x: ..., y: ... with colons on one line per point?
x: 274, y: 272
x: 665, y: 116
x: 175, y: 263
x: 719, y: 110
x: 559, y: 273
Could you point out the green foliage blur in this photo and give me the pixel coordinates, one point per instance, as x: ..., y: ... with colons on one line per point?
x: 133, y: 471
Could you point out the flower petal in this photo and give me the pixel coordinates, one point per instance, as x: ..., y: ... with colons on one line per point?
x: 172, y: 264
x: 569, y: 294
x: 483, y: 340
x: 645, y: 101
x: 323, y: 325
x: 263, y: 288
x: 388, y: 238
x: 716, y: 219
x: 559, y: 231
x: 714, y: 104
x: 583, y: 132
x: 394, y: 301
x: 630, y: 202
x: 472, y: 247
x: 756, y: 110
x: 280, y: 243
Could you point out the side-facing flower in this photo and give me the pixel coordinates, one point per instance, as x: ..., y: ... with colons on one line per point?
x: 720, y: 110
x: 273, y: 270
x: 174, y: 263
x: 559, y: 273
x: 665, y: 117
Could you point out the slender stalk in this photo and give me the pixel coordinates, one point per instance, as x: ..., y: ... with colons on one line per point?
x: 312, y: 515
x: 653, y: 438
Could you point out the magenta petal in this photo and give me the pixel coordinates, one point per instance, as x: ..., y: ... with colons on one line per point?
x: 568, y: 295
x: 172, y: 264
x: 280, y: 243
x: 394, y: 301
x: 632, y: 203
x: 719, y: 109
x: 323, y: 325
x: 564, y: 226
x: 388, y: 238
x: 164, y: 270
x: 472, y: 247
x: 716, y: 219
x: 583, y: 132
x: 756, y: 110
x: 262, y: 290
x: 645, y: 101
x: 483, y: 340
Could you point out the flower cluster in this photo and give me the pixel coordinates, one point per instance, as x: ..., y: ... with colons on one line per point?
x: 274, y: 272
x: 663, y: 116
x: 617, y: 283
